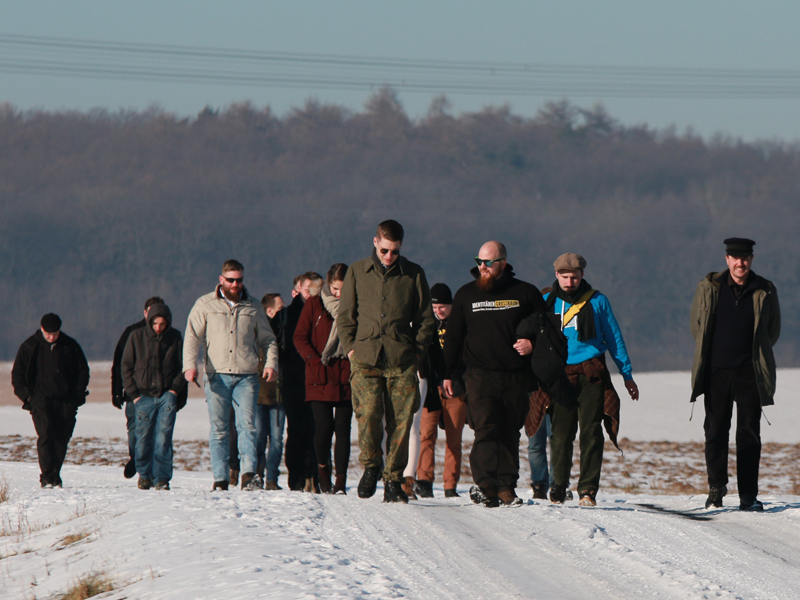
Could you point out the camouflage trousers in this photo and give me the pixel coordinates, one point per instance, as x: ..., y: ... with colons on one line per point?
x: 383, y: 393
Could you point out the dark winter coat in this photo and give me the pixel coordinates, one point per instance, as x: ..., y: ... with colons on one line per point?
x: 44, y: 371
x: 329, y: 383
x: 292, y: 363
x: 118, y: 395
x: 152, y: 363
x: 483, y: 324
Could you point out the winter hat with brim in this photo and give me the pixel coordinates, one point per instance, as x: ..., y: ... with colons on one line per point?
x: 51, y: 323
x: 739, y: 247
x: 440, y: 294
x: 570, y: 262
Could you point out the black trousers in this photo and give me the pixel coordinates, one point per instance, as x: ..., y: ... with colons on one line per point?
x: 726, y: 387
x: 330, y: 418
x: 54, y: 421
x: 497, y: 405
x: 299, y: 455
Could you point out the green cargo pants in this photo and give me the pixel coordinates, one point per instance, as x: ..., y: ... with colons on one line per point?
x: 382, y: 392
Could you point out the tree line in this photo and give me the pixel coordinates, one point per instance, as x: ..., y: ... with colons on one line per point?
x: 103, y: 209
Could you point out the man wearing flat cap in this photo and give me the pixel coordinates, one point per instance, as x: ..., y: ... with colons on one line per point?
x: 735, y: 321
x: 591, y: 329
x: 50, y: 376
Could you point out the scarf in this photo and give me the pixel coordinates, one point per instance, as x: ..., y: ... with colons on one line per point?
x: 586, y: 330
x: 332, y: 348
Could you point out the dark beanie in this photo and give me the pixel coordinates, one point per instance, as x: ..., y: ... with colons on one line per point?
x: 51, y: 323
x: 440, y: 294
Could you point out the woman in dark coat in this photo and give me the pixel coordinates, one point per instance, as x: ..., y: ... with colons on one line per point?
x: 327, y: 379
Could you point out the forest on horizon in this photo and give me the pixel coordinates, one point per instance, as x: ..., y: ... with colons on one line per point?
x: 103, y: 209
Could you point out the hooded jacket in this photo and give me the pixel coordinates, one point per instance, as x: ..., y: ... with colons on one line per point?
x: 385, y: 311
x: 482, y: 325
x: 767, y: 330
x: 151, y: 363
x: 44, y: 371
x: 230, y: 336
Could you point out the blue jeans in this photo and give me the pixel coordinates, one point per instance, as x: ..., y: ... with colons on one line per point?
x: 222, y: 393
x: 130, y: 416
x: 270, y: 420
x: 155, y: 420
x: 537, y: 454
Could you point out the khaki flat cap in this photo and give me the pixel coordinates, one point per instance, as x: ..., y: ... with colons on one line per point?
x: 570, y: 262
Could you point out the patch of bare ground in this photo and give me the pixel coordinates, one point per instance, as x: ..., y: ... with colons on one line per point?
x: 641, y: 467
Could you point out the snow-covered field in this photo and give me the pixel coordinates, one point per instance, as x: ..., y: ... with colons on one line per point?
x: 190, y: 543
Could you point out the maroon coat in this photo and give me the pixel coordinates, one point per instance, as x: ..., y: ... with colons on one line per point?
x: 325, y: 384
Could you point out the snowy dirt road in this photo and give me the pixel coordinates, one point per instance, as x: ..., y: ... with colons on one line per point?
x: 190, y: 543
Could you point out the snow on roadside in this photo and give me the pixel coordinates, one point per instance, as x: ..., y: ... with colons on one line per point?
x: 191, y: 543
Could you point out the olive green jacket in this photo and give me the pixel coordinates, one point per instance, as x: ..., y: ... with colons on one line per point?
x: 767, y: 330
x: 390, y: 311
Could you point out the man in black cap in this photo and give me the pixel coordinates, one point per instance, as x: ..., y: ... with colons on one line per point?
x: 441, y: 408
x: 735, y: 321
x: 50, y: 376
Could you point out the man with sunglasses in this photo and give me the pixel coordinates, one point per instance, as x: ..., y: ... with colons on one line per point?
x: 482, y: 329
x: 385, y: 326
x: 230, y: 326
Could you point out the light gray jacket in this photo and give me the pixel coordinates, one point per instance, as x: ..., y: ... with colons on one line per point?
x: 230, y: 336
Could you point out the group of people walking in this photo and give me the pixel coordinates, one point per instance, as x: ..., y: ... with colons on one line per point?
x: 374, y: 340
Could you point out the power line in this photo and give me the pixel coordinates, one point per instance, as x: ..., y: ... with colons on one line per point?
x: 52, y: 56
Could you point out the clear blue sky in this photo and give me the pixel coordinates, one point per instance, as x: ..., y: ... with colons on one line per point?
x: 732, y: 34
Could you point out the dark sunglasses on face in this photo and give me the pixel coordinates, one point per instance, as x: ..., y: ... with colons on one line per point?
x: 234, y: 279
x: 385, y: 251
x: 488, y: 263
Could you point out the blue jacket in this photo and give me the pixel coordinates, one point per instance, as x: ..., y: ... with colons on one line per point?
x: 609, y: 338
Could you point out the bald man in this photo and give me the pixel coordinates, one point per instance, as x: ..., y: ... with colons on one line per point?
x: 482, y: 329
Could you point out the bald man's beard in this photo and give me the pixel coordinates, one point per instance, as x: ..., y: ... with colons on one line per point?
x: 485, y: 282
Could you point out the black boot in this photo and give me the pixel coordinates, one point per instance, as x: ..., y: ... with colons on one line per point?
x: 325, y: 485
x: 393, y: 492
x: 423, y: 488
x: 369, y: 482
x: 715, y: 496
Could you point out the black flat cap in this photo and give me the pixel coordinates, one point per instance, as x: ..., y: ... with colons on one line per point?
x: 739, y: 247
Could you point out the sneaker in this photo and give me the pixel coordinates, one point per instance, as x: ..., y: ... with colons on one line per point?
x: 163, y: 486
x: 340, y: 487
x: 751, y: 504
x: 715, y: 496
x: 272, y: 485
x: 252, y: 482
x: 539, y: 491
x: 485, y: 496
x: 220, y: 485
x: 369, y: 482
x: 393, y: 492
x: 408, y: 488
x: 558, y: 494
x: 423, y: 488
x: 130, y: 469
x: 234, y: 478
x: 451, y: 493
x: 587, y: 498
x: 144, y: 483
x: 509, y: 497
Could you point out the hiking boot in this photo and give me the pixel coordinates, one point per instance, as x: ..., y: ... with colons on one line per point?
x: 220, y: 485
x: 423, y: 488
x: 234, y: 479
x: 393, y: 492
x: 750, y: 503
x: 587, y: 498
x: 325, y: 485
x: 130, y: 469
x: 539, y: 491
x: 451, y: 493
x: 558, y: 494
x: 144, y: 483
x: 272, y: 485
x: 408, y: 488
x: 715, y: 496
x: 252, y: 482
x: 509, y: 497
x: 369, y: 482
x: 485, y: 496
x: 340, y: 487
x: 163, y: 486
